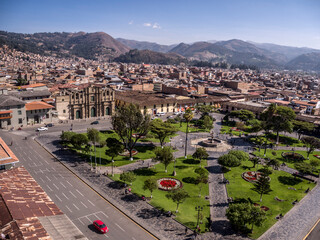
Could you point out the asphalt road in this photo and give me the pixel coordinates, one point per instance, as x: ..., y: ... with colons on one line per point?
x: 81, y: 204
x: 315, y: 233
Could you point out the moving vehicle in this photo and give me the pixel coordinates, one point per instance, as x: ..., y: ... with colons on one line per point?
x: 94, y: 122
x: 40, y: 129
x: 100, y: 226
x: 49, y: 125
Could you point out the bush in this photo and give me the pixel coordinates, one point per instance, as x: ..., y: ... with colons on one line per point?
x: 229, y: 160
x: 242, y: 156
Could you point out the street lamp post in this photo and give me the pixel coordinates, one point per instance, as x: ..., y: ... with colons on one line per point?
x: 174, y: 168
x: 112, y: 167
x: 198, y: 209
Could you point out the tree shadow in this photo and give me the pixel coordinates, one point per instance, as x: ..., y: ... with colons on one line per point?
x: 145, y: 172
x: 130, y: 198
x: 191, y: 161
x: 182, y: 167
x: 191, y: 180
x: 289, y: 180
x: 116, y: 185
x: 148, y: 213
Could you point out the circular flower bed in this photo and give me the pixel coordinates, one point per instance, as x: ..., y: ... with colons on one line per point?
x: 292, y: 156
x: 168, y: 184
x: 251, y: 176
x: 126, y: 153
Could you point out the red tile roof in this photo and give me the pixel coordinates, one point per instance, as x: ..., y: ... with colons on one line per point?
x: 33, y: 85
x: 38, y: 105
x: 6, y: 155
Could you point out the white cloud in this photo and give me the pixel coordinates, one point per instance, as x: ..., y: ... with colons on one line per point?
x: 131, y: 22
x: 152, y: 25
x: 156, y: 25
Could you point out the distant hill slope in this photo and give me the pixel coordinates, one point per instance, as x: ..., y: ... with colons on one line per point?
x: 143, y: 45
x: 308, y: 61
x: 289, y: 52
x: 147, y: 56
x: 233, y: 52
x: 88, y: 45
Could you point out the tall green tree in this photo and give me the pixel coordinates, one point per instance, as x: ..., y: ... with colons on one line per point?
x: 164, y: 155
x: 241, y: 155
x: 314, y: 163
x: 207, y: 122
x: 130, y: 124
x: 188, y: 116
x: 115, y: 147
x: 202, y: 178
x: 255, y: 161
x: 256, y: 126
x: 128, y: 177
x: 303, y: 167
x: 242, y: 214
x: 78, y: 140
x: 150, y: 184
x: 21, y: 81
x: 205, y: 110
x: 311, y: 143
x: 302, y: 127
x: 66, y: 136
x: 201, y: 154
x: 162, y: 130
x: 242, y: 115
x: 178, y: 196
x: 93, y: 135
x: 262, y: 186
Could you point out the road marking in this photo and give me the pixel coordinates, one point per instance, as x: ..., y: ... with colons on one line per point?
x: 61, y: 175
x: 105, y: 215
x: 83, y: 204
x: 79, y: 192
x: 41, y: 171
x: 119, y: 227
x: 41, y: 179
x: 72, y: 194
x: 55, y: 186
x: 69, y: 209
x: 58, y: 198
x: 88, y: 218
x: 49, y: 188
x: 55, y: 177
x: 65, y: 196
x: 75, y: 206
x: 106, y: 236
x: 80, y: 221
x: 69, y: 183
x: 48, y: 178
x: 53, y: 169
x: 133, y: 238
x: 45, y: 161
x: 90, y: 202
x: 63, y: 185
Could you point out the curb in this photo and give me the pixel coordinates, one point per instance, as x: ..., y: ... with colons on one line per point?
x: 94, y: 189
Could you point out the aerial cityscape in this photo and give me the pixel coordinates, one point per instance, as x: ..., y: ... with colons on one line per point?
x: 173, y: 120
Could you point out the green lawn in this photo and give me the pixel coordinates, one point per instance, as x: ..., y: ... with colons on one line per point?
x: 280, y: 182
x: 283, y: 140
x: 192, y: 128
x: 185, y: 172
x: 281, y: 159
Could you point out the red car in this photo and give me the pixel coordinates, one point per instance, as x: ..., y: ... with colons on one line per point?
x: 98, y: 224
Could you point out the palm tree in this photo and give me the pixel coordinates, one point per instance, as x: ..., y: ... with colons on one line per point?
x: 188, y: 116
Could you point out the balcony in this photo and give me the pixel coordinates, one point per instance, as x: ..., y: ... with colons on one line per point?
x: 5, y: 114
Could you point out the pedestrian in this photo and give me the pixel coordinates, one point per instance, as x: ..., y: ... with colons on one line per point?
x: 11, y: 143
x: 186, y: 231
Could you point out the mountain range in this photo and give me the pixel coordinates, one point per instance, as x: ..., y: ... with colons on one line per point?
x: 102, y: 46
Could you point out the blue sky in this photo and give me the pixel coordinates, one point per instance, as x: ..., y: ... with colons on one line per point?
x: 286, y: 22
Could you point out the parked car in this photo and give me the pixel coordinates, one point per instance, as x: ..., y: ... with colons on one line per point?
x: 177, y: 113
x: 40, y: 129
x: 49, y: 125
x: 100, y: 226
x: 94, y: 122
x: 154, y: 117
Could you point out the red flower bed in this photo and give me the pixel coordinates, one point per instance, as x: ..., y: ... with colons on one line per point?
x: 168, y: 183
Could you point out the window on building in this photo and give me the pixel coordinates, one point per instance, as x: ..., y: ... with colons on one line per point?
x: 47, y: 115
x: 62, y: 99
x: 19, y: 112
x: 31, y: 111
x: 19, y: 106
x: 35, y: 111
x: 64, y: 111
x: 20, y: 120
x: 92, y: 98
